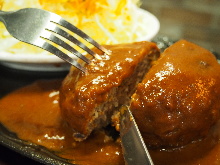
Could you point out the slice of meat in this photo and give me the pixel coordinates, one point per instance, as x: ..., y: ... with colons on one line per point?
x: 178, y: 101
x: 89, y: 100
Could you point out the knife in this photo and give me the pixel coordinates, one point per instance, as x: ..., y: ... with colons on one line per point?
x: 133, y: 147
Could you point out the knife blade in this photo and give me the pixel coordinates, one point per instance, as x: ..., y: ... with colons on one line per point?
x: 133, y: 147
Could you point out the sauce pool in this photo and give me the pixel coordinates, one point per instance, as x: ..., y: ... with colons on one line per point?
x: 33, y: 113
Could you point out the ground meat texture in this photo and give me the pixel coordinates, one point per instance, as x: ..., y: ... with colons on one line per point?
x: 89, y: 100
x: 178, y: 101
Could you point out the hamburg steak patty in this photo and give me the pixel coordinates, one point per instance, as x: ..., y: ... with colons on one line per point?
x: 89, y: 100
x: 178, y: 101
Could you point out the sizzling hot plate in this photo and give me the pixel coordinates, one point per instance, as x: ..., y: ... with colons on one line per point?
x: 28, y: 152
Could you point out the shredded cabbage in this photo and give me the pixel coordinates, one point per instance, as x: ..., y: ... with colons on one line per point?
x: 107, y: 21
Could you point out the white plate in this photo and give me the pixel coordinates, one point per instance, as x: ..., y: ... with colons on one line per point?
x: 45, y: 62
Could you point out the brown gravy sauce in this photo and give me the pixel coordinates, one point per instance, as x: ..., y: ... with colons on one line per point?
x: 33, y: 113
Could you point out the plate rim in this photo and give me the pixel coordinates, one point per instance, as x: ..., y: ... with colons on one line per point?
x: 30, y: 150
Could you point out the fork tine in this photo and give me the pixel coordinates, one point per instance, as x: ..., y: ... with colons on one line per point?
x: 66, y: 46
x: 80, y: 33
x: 71, y: 38
x: 52, y: 49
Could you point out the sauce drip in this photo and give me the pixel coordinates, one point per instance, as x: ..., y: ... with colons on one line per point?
x: 33, y: 113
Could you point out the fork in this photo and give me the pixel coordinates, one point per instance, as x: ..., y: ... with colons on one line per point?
x: 41, y: 28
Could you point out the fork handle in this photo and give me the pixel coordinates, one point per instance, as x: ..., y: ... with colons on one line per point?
x: 4, y: 14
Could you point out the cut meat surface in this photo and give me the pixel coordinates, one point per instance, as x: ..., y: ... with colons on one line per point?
x: 89, y: 100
